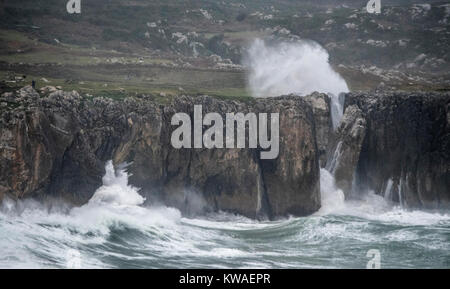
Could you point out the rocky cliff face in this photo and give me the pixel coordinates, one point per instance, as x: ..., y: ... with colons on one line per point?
x: 57, y: 146
x: 395, y: 144
x: 398, y: 145
x: 346, y: 147
x: 321, y: 105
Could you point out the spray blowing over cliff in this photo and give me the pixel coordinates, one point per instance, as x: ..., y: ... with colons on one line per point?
x: 291, y: 67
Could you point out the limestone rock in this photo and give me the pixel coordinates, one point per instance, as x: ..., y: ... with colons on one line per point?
x: 57, y: 145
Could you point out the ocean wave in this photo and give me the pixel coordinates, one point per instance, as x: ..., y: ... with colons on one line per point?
x: 115, y: 230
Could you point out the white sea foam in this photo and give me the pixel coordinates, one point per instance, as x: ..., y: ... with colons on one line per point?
x: 115, y: 189
x: 286, y: 67
x: 300, y: 67
x: 332, y: 198
x: 371, y: 206
x: 114, y: 228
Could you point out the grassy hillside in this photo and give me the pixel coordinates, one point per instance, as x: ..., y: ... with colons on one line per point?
x: 195, y: 46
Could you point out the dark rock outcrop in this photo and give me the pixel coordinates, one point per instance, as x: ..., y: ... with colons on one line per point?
x: 321, y: 105
x: 344, y: 158
x: 402, y: 145
x: 396, y: 144
x: 289, y: 180
x: 57, y: 146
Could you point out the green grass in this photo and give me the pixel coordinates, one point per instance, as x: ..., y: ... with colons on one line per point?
x: 120, y: 90
x: 131, y: 64
x: 38, y: 52
x: 112, y: 74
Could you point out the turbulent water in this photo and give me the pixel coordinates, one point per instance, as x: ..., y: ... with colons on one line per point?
x: 114, y: 230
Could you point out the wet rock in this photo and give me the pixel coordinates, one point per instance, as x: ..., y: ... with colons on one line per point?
x: 405, y: 153
x: 292, y: 180
x: 58, y: 147
x: 344, y: 156
x: 321, y: 106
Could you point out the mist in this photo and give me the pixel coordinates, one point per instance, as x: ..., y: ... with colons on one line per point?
x: 283, y: 68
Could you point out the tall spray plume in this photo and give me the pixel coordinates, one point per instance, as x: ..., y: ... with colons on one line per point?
x: 290, y: 67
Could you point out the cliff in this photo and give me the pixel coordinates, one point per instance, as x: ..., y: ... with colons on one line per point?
x: 393, y: 143
x: 56, y: 146
x: 398, y: 145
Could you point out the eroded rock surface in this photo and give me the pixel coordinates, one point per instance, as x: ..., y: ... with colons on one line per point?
x: 401, y: 142
x: 57, y: 146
